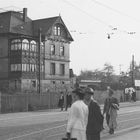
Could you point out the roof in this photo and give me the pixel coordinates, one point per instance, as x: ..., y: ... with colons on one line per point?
x: 44, y: 24
x: 12, y: 22
x: 47, y: 24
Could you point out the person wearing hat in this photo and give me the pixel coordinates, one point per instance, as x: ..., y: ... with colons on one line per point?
x: 95, y: 117
x: 78, y: 115
x: 111, y: 105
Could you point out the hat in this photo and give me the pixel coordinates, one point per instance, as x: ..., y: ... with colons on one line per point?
x: 78, y: 90
x: 89, y: 90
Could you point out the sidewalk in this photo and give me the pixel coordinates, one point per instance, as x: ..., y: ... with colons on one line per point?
x: 133, y: 134
x: 122, y: 104
x: 126, y: 104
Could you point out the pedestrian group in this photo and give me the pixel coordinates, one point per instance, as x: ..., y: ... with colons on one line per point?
x: 85, y: 120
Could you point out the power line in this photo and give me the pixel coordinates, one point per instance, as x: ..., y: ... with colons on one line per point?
x: 99, y: 20
x: 91, y: 16
x: 114, y: 10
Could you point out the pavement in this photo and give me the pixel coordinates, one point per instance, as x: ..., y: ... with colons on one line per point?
x: 122, y: 104
x: 132, y: 134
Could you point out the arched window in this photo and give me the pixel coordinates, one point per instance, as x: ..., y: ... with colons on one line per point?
x: 33, y: 46
x: 25, y: 44
x: 16, y: 44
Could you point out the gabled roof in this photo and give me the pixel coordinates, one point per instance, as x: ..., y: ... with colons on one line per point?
x: 47, y: 24
x: 44, y: 24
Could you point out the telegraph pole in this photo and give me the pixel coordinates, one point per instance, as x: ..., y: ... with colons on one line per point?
x: 39, y: 44
x: 132, y: 71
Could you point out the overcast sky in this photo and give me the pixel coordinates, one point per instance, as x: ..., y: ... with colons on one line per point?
x: 89, y: 22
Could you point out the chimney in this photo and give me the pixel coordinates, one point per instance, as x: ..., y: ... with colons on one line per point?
x: 24, y: 14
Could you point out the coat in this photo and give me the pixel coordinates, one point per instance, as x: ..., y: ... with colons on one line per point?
x: 110, y: 107
x: 77, y: 120
x: 61, y: 101
x: 95, y: 119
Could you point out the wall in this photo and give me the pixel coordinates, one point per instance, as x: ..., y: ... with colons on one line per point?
x: 3, y: 57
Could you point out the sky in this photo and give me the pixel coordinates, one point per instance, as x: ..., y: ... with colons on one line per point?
x: 90, y: 22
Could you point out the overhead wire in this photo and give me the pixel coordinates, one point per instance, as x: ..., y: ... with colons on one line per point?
x: 91, y: 16
x: 99, y: 20
x: 115, y: 10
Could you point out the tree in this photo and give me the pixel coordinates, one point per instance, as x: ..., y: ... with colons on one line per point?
x: 108, y: 72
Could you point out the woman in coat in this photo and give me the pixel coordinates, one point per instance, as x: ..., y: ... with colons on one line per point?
x: 78, y: 116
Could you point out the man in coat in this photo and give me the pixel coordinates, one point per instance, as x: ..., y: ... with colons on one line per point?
x: 95, y: 118
x: 68, y: 100
x: 111, y: 105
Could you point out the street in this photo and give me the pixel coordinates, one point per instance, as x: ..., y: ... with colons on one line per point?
x: 51, y: 125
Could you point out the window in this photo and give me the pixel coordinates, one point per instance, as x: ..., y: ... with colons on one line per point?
x: 33, y: 83
x: 52, y: 49
x: 33, y: 46
x: 16, y: 44
x: 53, y: 82
x: 57, y: 30
x: 61, y: 50
x: 62, y: 69
x: 42, y: 47
x: 27, y: 67
x: 52, y: 69
x: 32, y: 67
x: 23, y: 67
x: 15, y: 67
x: 25, y: 44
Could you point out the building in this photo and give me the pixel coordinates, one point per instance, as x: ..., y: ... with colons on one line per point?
x: 90, y: 83
x: 34, y: 54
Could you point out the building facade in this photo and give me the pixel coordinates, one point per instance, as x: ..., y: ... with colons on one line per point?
x: 33, y: 53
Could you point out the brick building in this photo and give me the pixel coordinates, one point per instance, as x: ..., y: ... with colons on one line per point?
x: 25, y: 52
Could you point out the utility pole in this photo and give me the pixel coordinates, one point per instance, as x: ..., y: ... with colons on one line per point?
x: 39, y: 44
x: 132, y: 76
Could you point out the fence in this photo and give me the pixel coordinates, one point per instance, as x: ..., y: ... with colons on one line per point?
x: 28, y: 102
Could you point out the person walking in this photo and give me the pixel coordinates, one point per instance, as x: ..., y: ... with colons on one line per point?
x: 61, y: 101
x: 68, y: 100
x: 111, y: 105
x: 95, y: 117
x: 78, y: 115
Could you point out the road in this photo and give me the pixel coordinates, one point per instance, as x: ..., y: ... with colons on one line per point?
x: 52, y: 125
